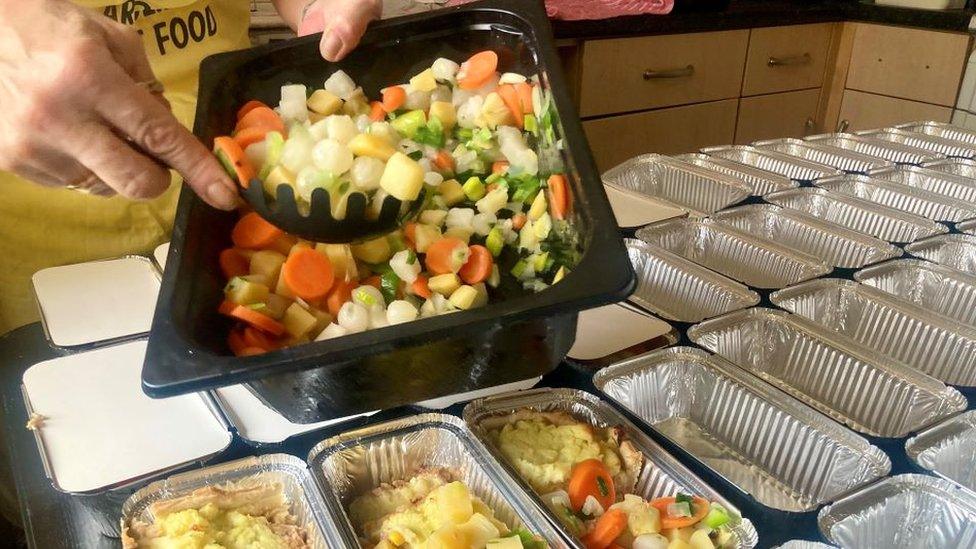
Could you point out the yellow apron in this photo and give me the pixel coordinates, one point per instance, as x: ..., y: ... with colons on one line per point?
x: 42, y: 227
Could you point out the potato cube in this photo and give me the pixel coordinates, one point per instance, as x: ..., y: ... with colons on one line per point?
x: 403, y: 177
x: 700, y: 540
x: 298, y: 321
x: 278, y: 176
x: 433, y: 217
x: 373, y: 146
x: 464, y: 298
x: 373, y: 251
x: 460, y: 234
x: 267, y: 263
x: 343, y: 262
x: 425, y: 235
x: 245, y: 292
x: 276, y: 305
x: 324, y: 102
x: 445, y: 112
x: 444, y: 284
x: 424, y: 81
x: 451, y: 192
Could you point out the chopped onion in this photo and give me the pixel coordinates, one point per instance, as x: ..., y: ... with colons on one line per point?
x: 650, y: 541
x: 483, y: 222
x: 401, y: 311
x: 433, y: 179
x: 293, y: 93
x: 404, y: 268
x: 293, y: 111
x: 592, y: 507
x: 340, y: 127
x: 377, y: 317
x: 559, y: 498
x: 682, y: 509
x: 366, y: 172
x: 511, y: 78
x: 417, y: 100
x: 441, y: 93
x: 367, y: 296
x: 339, y: 83
x: 297, y: 152
x: 332, y: 156
x: 353, y: 317
x: 332, y: 331
x: 461, y: 218
x: 444, y: 69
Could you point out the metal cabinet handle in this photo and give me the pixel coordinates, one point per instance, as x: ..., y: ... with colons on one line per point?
x: 804, y: 59
x: 650, y: 74
x: 843, y: 125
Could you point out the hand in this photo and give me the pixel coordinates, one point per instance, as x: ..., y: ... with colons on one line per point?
x: 79, y: 109
x: 343, y: 23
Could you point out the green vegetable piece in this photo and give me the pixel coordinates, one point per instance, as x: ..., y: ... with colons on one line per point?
x: 397, y: 242
x: 540, y: 262
x: 432, y: 134
x: 494, y: 177
x: 519, y: 268
x: 495, y: 241
x: 416, y: 155
x: 408, y: 123
x: 529, y: 540
x: 227, y: 164
x: 276, y: 144
x: 601, y: 485
x: 717, y: 517
x: 530, y: 124
x: 473, y: 188
x: 389, y: 284
x: 526, y: 188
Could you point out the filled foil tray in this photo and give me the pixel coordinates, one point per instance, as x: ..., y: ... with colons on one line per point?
x: 853, y: 385
x: 943, y: 183
x: 291, y: 473
x: 804, y: 544
x: 895, y: 152
x: 677, y: 289
x: 934, y: 287
x: 761, y: 181
x: 678, y: 183
x: 904, y: 511
x: 841, y: 159
x: 832, y: 243
x: 857, y: 214
x: 948, y: 449
x: 781, y: 452
x: 956, y: 166
x: 661, y: 475
x: 942, y: 130
x: 940, y: 145
x: 900, y: 197
x: 756, y: 262
x: 899, y: 330
x: 956, y: 251
x: 355, y: 462
x: 797, y: 169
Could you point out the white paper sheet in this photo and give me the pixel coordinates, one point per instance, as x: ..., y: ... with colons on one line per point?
x: 612, y: 328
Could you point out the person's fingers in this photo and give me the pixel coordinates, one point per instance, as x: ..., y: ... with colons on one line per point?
x: 127, y: 49
x: 344, y: 25
x: 117, y: 164
x: 139, y: 116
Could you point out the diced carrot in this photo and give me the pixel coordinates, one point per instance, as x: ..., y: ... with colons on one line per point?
x: 499, y: 166
x: 254, y: 232
x: 443, y: 254
x: 420, y: 287
x: 232, y: 263
x: 374, y: 281
x: 258, y: 320
x: 253, y: 337
x: 607, y: 528
x: 249, y: 136
x: 559, y: 199
x: 252, y: 351
x: 511, y: 98
x: 235, y: 158
x: 591, y: 478
x: 478, y: 267
x: 261, y: 117
x: 376, y: 112
x: 236, y: 341
x: 477, y: 70
x: 410, y: 233
x: 340, y: 294
x: 226, y: 307
x: 248, y: 107
x: 524, y: 90
x: 444, y: 162
x: 308, y: 274
x: 699, y: 508
x: 393, y: 98
x: 518, y: 221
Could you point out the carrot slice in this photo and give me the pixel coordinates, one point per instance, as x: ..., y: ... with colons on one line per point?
x: 254, y: 232
x: 511, y: 98
x: 236, y: 341
x: 518, y: 221
x: 699, y: 508
x: 232, y: 263
x: 258, y: 320
x: 253, y: 337
x: 443, y: 255
x: 591, y: 478
x: 478, y: 267
x: 308, y: 274
x: 261, y: 117
x: 477, y: 70
x: 226, y: 307
x: 524, y: 90
x: 249, y: 136
x: 252, y: 351
x: 559, y: 201
x: 232, y: 156
x: 607, y: 528
x: 444, y: 162
x: 393, y: 98
x: 410, y: 233
x: 376, y: 112
x: 340, y: 294
x: 420, y: 287
x: 248, y: 107
x: 499, y: 166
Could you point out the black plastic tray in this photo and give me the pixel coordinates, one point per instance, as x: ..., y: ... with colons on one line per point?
x: 187, y: 350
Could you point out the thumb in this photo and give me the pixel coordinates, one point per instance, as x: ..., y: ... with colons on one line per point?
x: 344, y: 24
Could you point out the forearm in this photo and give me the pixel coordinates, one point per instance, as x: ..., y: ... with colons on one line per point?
x: 292, y: 10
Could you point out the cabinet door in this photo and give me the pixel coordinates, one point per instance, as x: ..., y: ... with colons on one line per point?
x: 920, y: 65
x: 866, y: 111
x: 630, y: 74
x: 786, y: 58
x: 668, y: 131
x: 789, y: 114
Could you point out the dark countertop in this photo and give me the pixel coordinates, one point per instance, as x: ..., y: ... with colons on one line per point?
x: 744, y: 14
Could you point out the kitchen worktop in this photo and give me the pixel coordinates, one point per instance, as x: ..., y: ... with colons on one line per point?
x: 743, y: 14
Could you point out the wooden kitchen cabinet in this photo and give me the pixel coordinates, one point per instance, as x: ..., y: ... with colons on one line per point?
x: 786, y: 58
x: 865, y: 111
x: 630, y: 74
x: 668, y: 131
x: 788, y: 114
x: 920, y: 65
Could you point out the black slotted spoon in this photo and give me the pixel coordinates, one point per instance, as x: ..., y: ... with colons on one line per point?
x: 319, y: 225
